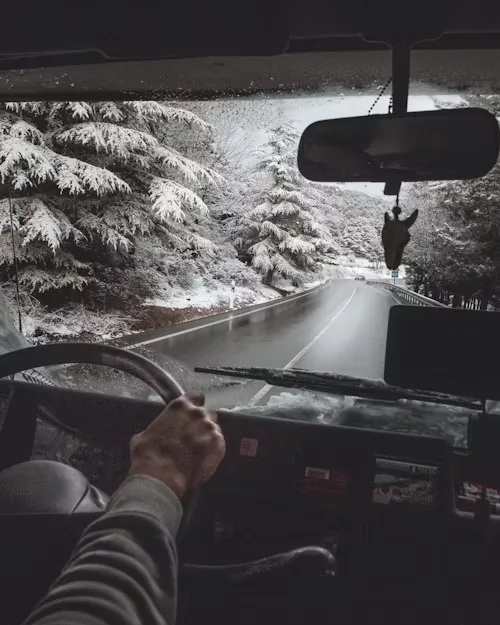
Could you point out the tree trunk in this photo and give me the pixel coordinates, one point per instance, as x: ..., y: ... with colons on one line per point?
x: 268, y: 278
x: 485, y: 298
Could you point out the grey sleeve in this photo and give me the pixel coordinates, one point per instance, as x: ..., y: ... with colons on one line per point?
x: 124, y: 569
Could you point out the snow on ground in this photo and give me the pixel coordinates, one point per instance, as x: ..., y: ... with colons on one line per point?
x: 41, y: 325
x: 303, y: 406
x: 404, y: 416
x: 199, y: 299
x: 73, y: 322
x: 203, y: 296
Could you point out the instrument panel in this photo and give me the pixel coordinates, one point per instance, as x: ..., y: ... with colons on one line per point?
x: 346, y: 468
x: 334, y: 465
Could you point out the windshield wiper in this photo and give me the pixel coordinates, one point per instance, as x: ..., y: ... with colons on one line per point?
x: 334, y: 384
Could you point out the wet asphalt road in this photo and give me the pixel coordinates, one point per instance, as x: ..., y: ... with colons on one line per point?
x: 340, y: 327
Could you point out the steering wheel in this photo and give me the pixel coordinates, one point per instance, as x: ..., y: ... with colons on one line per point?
x: 140, y: 367
x: 314, y: 559
x: 64, y: 353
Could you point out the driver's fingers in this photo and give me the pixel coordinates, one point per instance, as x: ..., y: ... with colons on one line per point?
x: 195, y: 397
x: 135, y: 440
x: 186, y: 401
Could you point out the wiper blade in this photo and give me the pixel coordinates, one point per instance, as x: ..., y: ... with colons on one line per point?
x: 335, y: 383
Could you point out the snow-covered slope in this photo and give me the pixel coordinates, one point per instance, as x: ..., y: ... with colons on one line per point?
x: 118, y: 207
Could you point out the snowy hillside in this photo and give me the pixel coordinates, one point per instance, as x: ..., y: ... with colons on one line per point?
x: 124, y: 216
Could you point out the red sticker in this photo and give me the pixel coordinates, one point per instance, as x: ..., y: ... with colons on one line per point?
x: 248, y: 447
x: 324, y: 481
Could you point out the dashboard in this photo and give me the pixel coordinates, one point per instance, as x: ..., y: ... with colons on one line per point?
x: 347, y: 469
x: 385, y: 504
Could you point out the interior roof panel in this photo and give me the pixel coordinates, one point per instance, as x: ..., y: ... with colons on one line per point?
x: 325, y: 53
x: 320, y: 18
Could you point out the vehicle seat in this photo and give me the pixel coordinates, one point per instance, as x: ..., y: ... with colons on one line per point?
x: 48, y: 487
x: 44, y: 508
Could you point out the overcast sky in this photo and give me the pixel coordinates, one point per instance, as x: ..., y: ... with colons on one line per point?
x: 254, y: 117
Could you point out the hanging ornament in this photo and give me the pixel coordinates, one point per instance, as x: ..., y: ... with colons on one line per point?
x: 395, y: 233
x: 396, y: 236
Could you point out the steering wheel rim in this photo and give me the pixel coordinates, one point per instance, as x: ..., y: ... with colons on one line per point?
x: 136, y: 365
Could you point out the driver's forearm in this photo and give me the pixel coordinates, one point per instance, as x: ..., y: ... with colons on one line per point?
x: 124, y: 568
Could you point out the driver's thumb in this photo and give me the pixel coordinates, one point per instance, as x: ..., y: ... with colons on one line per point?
x: 134, y: 441
x: 196, y: 397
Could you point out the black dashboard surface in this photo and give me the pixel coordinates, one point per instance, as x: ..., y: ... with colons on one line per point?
x: 378, y: 500
x: 336, y: 465
x: 376, y: 496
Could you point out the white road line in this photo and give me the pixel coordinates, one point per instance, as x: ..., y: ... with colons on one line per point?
x: 265, y: 389
x: 385, y: 292
x: 226, y: 319
x: 395, y: 299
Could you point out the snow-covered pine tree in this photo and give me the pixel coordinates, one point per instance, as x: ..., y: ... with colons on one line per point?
x: 280, y: 226
x: 356, y: 219
x: 455, y: 245
x: 84, y: 180
x: 444, y: 253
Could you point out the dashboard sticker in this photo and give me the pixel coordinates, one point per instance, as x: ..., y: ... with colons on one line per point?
x: 398, y: 482
x: 317, y: 474
x: 326, y: 482
x: 471, y: 492
x: 249, y: 447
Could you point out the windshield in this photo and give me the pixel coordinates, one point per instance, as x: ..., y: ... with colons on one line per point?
x: 183, y: 230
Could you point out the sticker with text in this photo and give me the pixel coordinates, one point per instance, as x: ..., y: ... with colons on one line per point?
x: 325, y: 481
x: 317, y: 474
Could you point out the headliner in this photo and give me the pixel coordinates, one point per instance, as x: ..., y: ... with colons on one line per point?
x: 221, y: 48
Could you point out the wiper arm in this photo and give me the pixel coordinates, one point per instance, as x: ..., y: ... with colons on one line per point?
x: 334, y: 384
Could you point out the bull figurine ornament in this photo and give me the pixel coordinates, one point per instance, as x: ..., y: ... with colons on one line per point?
x: 396, y: 236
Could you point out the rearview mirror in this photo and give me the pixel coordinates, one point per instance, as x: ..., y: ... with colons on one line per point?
x: 431, y: 145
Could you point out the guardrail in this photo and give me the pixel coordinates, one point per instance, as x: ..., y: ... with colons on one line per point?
x: 408, y: 296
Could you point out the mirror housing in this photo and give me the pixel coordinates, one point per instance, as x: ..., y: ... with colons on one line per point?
x: 455, y: 144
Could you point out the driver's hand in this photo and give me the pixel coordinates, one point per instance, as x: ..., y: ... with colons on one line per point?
x: 182, y: 447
